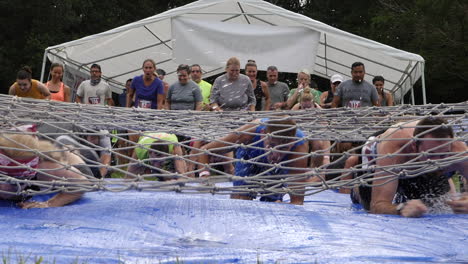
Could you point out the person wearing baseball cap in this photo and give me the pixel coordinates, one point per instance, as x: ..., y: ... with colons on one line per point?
x: 327, y: 97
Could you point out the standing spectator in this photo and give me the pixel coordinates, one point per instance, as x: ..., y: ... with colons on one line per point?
x: 385, y: 98
x: 327, y: 97
x: 94, y: 91
x: 147, y: 88
x: 25, y: 86
x: 123, y: 95
x: 184, y: 94
x: 356, y: 92
x: 279, y: 91
x: 307, y: 100
x: 262, y: 94
x: 303, y: 80
x: 58, y: 90
x: 232, y: 91
x: 205, y: 87
x: 161, y: 74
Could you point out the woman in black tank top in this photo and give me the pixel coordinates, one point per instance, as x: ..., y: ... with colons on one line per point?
x: 261, y: 91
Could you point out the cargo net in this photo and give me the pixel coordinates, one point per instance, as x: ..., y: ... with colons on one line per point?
x: 71, y: 137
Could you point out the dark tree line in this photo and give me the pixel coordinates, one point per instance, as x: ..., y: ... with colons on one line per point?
x: 435, y: 29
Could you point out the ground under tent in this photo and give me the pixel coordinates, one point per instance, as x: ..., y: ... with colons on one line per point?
x: 161, y: 227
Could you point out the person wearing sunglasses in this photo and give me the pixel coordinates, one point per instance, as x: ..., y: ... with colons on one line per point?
x: 327, y: 97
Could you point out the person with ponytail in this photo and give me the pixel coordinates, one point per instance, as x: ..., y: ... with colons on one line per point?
x: 307, y: 100
x: 25, y: 86
x: 58, y: 90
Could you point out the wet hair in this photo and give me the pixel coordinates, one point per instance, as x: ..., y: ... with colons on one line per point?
x: 160, y: 148
x: 434, y: 126
x: 24, y: 74
x: 232, y: 61
x: 357, y: 64
x: 54, y: 65
x: 378, y: 79
x: 307, y: 95
x: 149, y: 60
x: 283, y: 127
x: 272, y: 68
x: 183, y: 67
x: 96, y: 66
x: 161, y: 72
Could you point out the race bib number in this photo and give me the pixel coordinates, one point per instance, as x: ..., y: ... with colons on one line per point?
x: 354, y: 104
x: 144, y: 104
x: 94, y: 100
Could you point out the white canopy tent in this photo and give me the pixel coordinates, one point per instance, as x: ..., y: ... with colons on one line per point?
x: 208, y: 32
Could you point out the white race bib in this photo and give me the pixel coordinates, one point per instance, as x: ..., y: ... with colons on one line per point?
x: 94, y: 100
x: 144, y: 104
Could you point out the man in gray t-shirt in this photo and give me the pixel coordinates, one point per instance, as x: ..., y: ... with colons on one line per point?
x: 184, y: 97
x: 232, y: 95
x: 95, y: 90
x: 356, y: 92
x: 279, y: 91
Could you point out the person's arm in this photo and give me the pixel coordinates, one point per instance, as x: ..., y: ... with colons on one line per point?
x: 110, y: 101
x: 322, y: 147
x: 130, y: 92
x: 389, y: 99
x: 61, y: 198
x: 336, y: 101
x: 266, y: 92
x: 345, y: 176
x: 12, y: 90
x: 134, y: 169
x: 160, y: 103
x: 105, y: 161
x: 226, y: 141
x: 300, y: 163
x: 43, y: 90
x: 252, y: 101
x: 79, y: 94
x: 384, y: 190
x: 168, y: 104
x: 198, y: 106
x: 214, y: 96
x: 292, y: 100
x: 105, y: 157
x: 67, y: 93
x: 323, y: 97
x: 461, y: 166
x: 375, y: 96
x: 197, y: 95
x: 160, y: 95
x: 180, y: 165
x: 296, y: 107
x: 459, y: 205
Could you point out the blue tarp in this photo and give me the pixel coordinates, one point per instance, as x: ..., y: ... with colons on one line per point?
x: 160, y: 227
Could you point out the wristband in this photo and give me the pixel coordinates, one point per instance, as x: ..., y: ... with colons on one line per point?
x: 203, y: 174
x: 400, y: 207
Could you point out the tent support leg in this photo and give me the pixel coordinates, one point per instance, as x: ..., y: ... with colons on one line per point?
x: 44, y: 60
x: 423, y: 79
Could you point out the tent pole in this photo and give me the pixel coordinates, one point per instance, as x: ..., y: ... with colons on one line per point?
x: 423, y: 84
x: 402, y: 96
x: 44, y: 60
